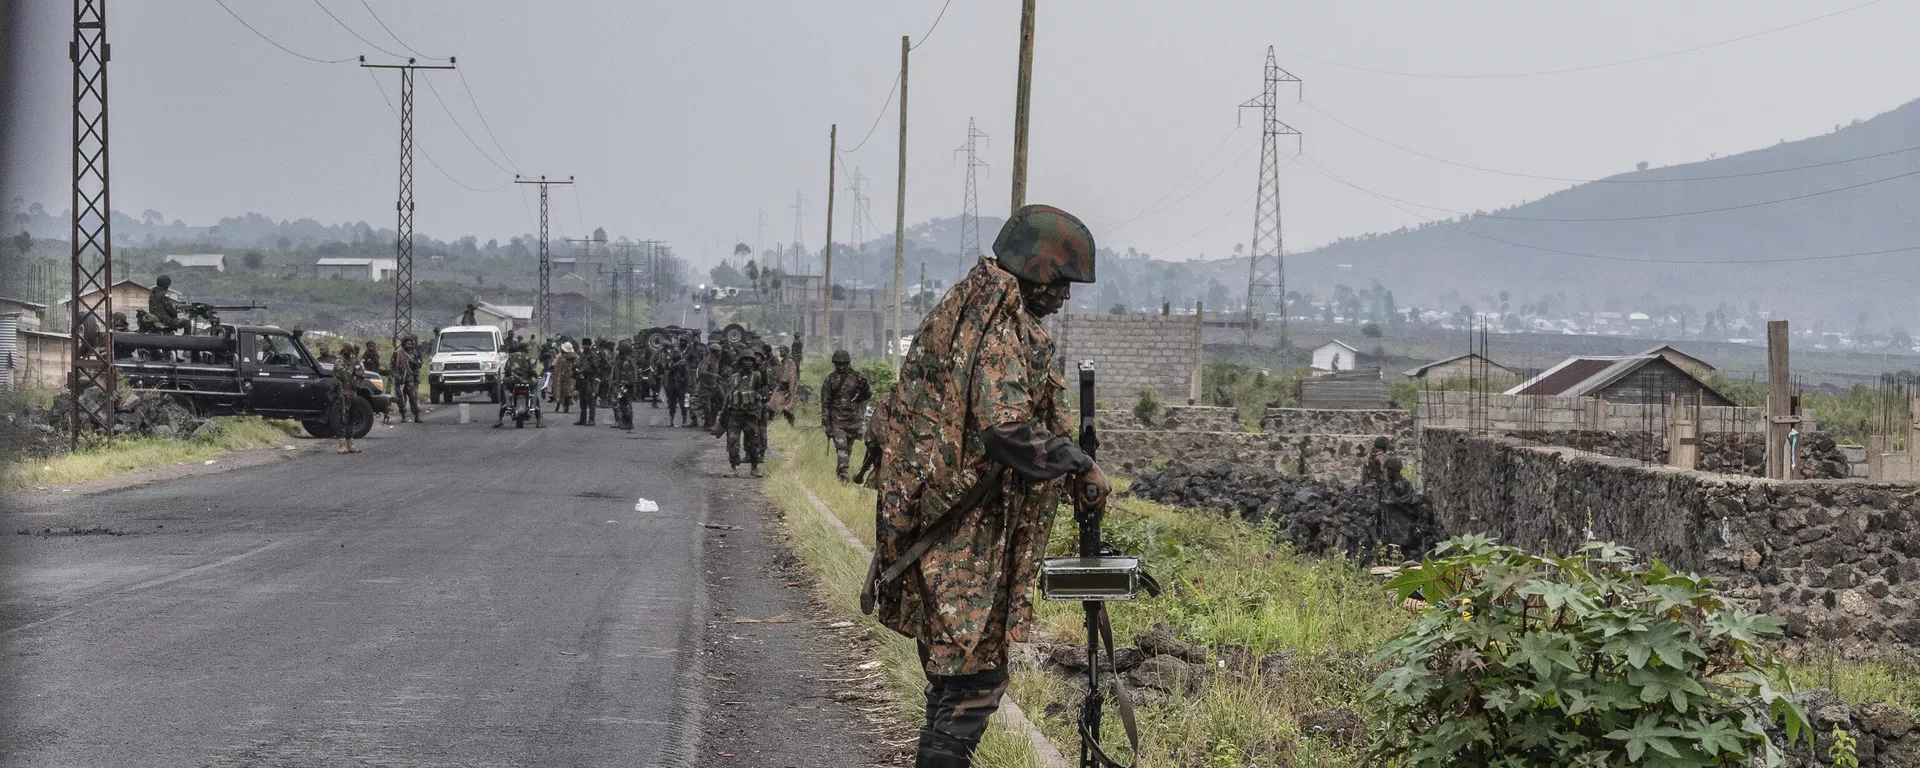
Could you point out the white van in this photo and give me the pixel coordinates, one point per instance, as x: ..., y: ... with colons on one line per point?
x: 466, y: 358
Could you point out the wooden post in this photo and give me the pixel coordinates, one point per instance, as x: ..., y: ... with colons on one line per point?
x: 1199, y: 351
x: 826, y: 278
x: 900, y: 212
x: 1683, y: 434
x: 1023, y: 93
x: 1780, y: 419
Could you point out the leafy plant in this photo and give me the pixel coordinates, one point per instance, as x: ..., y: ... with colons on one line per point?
x: 1843, y: 751
x: 1588, y: 660
x: 1147, y: 407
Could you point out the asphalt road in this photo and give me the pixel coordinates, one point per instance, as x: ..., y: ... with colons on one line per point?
x: 454, y: 596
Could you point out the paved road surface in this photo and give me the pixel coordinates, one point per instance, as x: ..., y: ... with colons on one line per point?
x: 454, y: 596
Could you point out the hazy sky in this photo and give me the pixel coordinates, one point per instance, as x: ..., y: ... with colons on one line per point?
x: 684, y: 121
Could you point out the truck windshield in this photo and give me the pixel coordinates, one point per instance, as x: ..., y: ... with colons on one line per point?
x: 466, y: 341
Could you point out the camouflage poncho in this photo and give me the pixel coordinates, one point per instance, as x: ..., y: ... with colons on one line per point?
x: 977, y: 361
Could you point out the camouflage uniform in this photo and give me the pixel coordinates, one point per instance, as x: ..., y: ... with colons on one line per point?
x: 587, y: 375
x: 346, y: 380
x: 870, y: 461
x: 707, y: 386
x: 406, y: 379
x: 520, y: 369
x: 679, y: 374
x: 163, y: 309
x: 843, y: 397
x: 975, y: 432
x: 743, y: 397
x: 562, y: 369
x: 785, y: 376
x: 625, y: 384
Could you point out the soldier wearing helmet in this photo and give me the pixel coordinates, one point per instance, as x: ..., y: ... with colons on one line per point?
x: 975, y: 451
x: 843, y: 400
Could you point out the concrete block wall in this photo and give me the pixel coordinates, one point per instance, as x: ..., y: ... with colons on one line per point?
x: 1515, y: 413
x: 1130, y: 352
x: 1837, y: 561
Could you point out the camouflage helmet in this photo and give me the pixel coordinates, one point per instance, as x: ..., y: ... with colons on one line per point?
x: 841, y: 356
x: 1046, y: 245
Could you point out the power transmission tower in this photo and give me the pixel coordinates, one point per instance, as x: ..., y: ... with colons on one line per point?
x: 799, y: 215
x: 970, y: 210
x: 91, y: 318
x: 859, y: 226
x: 543, y: 306
x: 403, y: 240
x: 1266, y: 270
x: 652, y: 285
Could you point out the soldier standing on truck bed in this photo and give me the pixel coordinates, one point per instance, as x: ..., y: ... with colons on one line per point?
x: 346, y: 379
x: 165, y: 309
x: 406, y: 378
x: 843, y: 400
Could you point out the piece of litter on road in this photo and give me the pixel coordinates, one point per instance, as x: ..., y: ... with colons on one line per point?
x: 780, y: 619
x: 720, y: 527
x: 210, y: 462
x: 840, y: 625
x: 871, y: 665
x: 646, y: 505
x: 288, y: 448
x: 568, y: 653
x: 613, y: 521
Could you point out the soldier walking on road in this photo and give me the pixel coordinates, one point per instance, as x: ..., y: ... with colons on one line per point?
x: 564, y: 365
x: 707, y: 386
x: 406, y: 378
x: 586, y: 377
x: 975, y: 499
x: 743, y: 397
x: 679, y: 374
x: 786, y: 376
x: 843, y: 400
x: 346, y: 380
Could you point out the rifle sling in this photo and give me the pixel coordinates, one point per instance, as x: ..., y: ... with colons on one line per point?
x: 981, y: 493
x: 1123, y: 702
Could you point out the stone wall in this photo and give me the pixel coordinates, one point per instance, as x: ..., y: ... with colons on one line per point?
x: 1309, y: 421
x: 1326, y: 458
x: 1524, y: 413
x: 1201, y: 418
x: 1731, y: 453
x: 1837, y: 561
x: 1129, y: 352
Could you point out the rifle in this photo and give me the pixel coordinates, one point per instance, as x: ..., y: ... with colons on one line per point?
x: 1098, y: 574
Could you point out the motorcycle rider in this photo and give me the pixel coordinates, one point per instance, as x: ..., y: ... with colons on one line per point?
x: 519, y: 373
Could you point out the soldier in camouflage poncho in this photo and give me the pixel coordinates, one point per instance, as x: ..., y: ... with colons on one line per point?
x: 975, y: 443
x: 843, y: 399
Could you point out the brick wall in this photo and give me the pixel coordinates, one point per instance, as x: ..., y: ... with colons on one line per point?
x: 1129, y: 352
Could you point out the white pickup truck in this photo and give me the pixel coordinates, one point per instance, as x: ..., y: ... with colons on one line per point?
x: 466, y: 358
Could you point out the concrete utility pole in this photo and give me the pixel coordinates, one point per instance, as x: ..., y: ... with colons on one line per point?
x: 543, y: 306
x: 1266, y: 268
x: 1023, y: 93
x: 403, y: 229
x: 613, y: 308
x: 90, y: 319
x: 1782, y: 417
x: 970, y: 208
x: 826, y: 281
x: 900, y: 211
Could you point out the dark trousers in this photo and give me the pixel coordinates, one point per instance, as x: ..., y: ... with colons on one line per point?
x: 677, y: 401
x: 589, y: 400
x: 957, y: 710
x: 407, y: 394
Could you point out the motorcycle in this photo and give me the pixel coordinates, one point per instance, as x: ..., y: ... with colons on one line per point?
x: 522, y: 405
x: 623, y: 407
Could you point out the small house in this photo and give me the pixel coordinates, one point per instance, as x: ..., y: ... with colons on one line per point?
x: 506, y: 317
x: 214, y: 262
x: 1467, y: 366
x: 1335, y: 356
x: 368, y: 269
x: 128, y: 297
x: 1632, y: 379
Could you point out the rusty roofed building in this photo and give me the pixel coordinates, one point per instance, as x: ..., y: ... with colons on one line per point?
x: 1638, y: 378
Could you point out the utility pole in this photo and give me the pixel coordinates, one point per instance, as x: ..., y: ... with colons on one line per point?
x: 900, y: 211
x: 826, y: 280
x: 799, y: 216
x: 403, y: 230
x: 1266, y: 269
x: 970, y: 209
x: 1783, y: 415
x: 1023, y: 93
x: 653, y: 287
x: 543, y: 306
x: 613, y: 305
x: 90, y: 328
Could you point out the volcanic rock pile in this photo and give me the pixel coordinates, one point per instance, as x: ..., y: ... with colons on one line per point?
x: 1317, y: 518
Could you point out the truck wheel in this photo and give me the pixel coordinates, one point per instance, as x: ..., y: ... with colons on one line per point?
x: 359, y: 417
x: 433, y: 393
x: 318, y: 428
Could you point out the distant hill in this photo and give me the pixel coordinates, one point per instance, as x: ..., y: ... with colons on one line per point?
x: 1431, y: 261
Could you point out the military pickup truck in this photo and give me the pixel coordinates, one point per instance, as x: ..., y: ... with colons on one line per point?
x: 244, y: 369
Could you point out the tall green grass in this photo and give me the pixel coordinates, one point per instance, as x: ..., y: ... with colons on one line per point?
x: 119, y: 455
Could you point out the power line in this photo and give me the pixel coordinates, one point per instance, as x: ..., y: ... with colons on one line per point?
x: 423, y: 151
x: 1587, y: 67
x: 1311, y: 165
x: 343, y: 25
x: 1610, y: 180
x: 462, y: 129
x: 578, y: 210
x: 877, y: 118
x: 1216, y: 222
x: 483, y: 120
x: 270, y: 41
x: 396, y: 38
x: 1154, y: 206
x: 936, y: 25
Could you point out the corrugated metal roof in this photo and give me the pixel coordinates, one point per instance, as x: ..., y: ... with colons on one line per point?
x: 1568, y: 377
x: 343, y: 262
x: 198, y: 259
x: 9, y: 347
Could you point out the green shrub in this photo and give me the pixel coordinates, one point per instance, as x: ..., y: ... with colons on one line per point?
x: 879, y: 373
x: 1147, y: 408
x: 1589, y: 660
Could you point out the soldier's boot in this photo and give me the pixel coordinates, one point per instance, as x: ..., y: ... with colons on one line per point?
x: 789, y: 415
x: 343, y: 446
x: 351, y: 448
x: 756, y: 469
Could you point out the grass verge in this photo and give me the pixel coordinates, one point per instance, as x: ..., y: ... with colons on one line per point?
x: 125, y: 454
x: 806, y: 463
